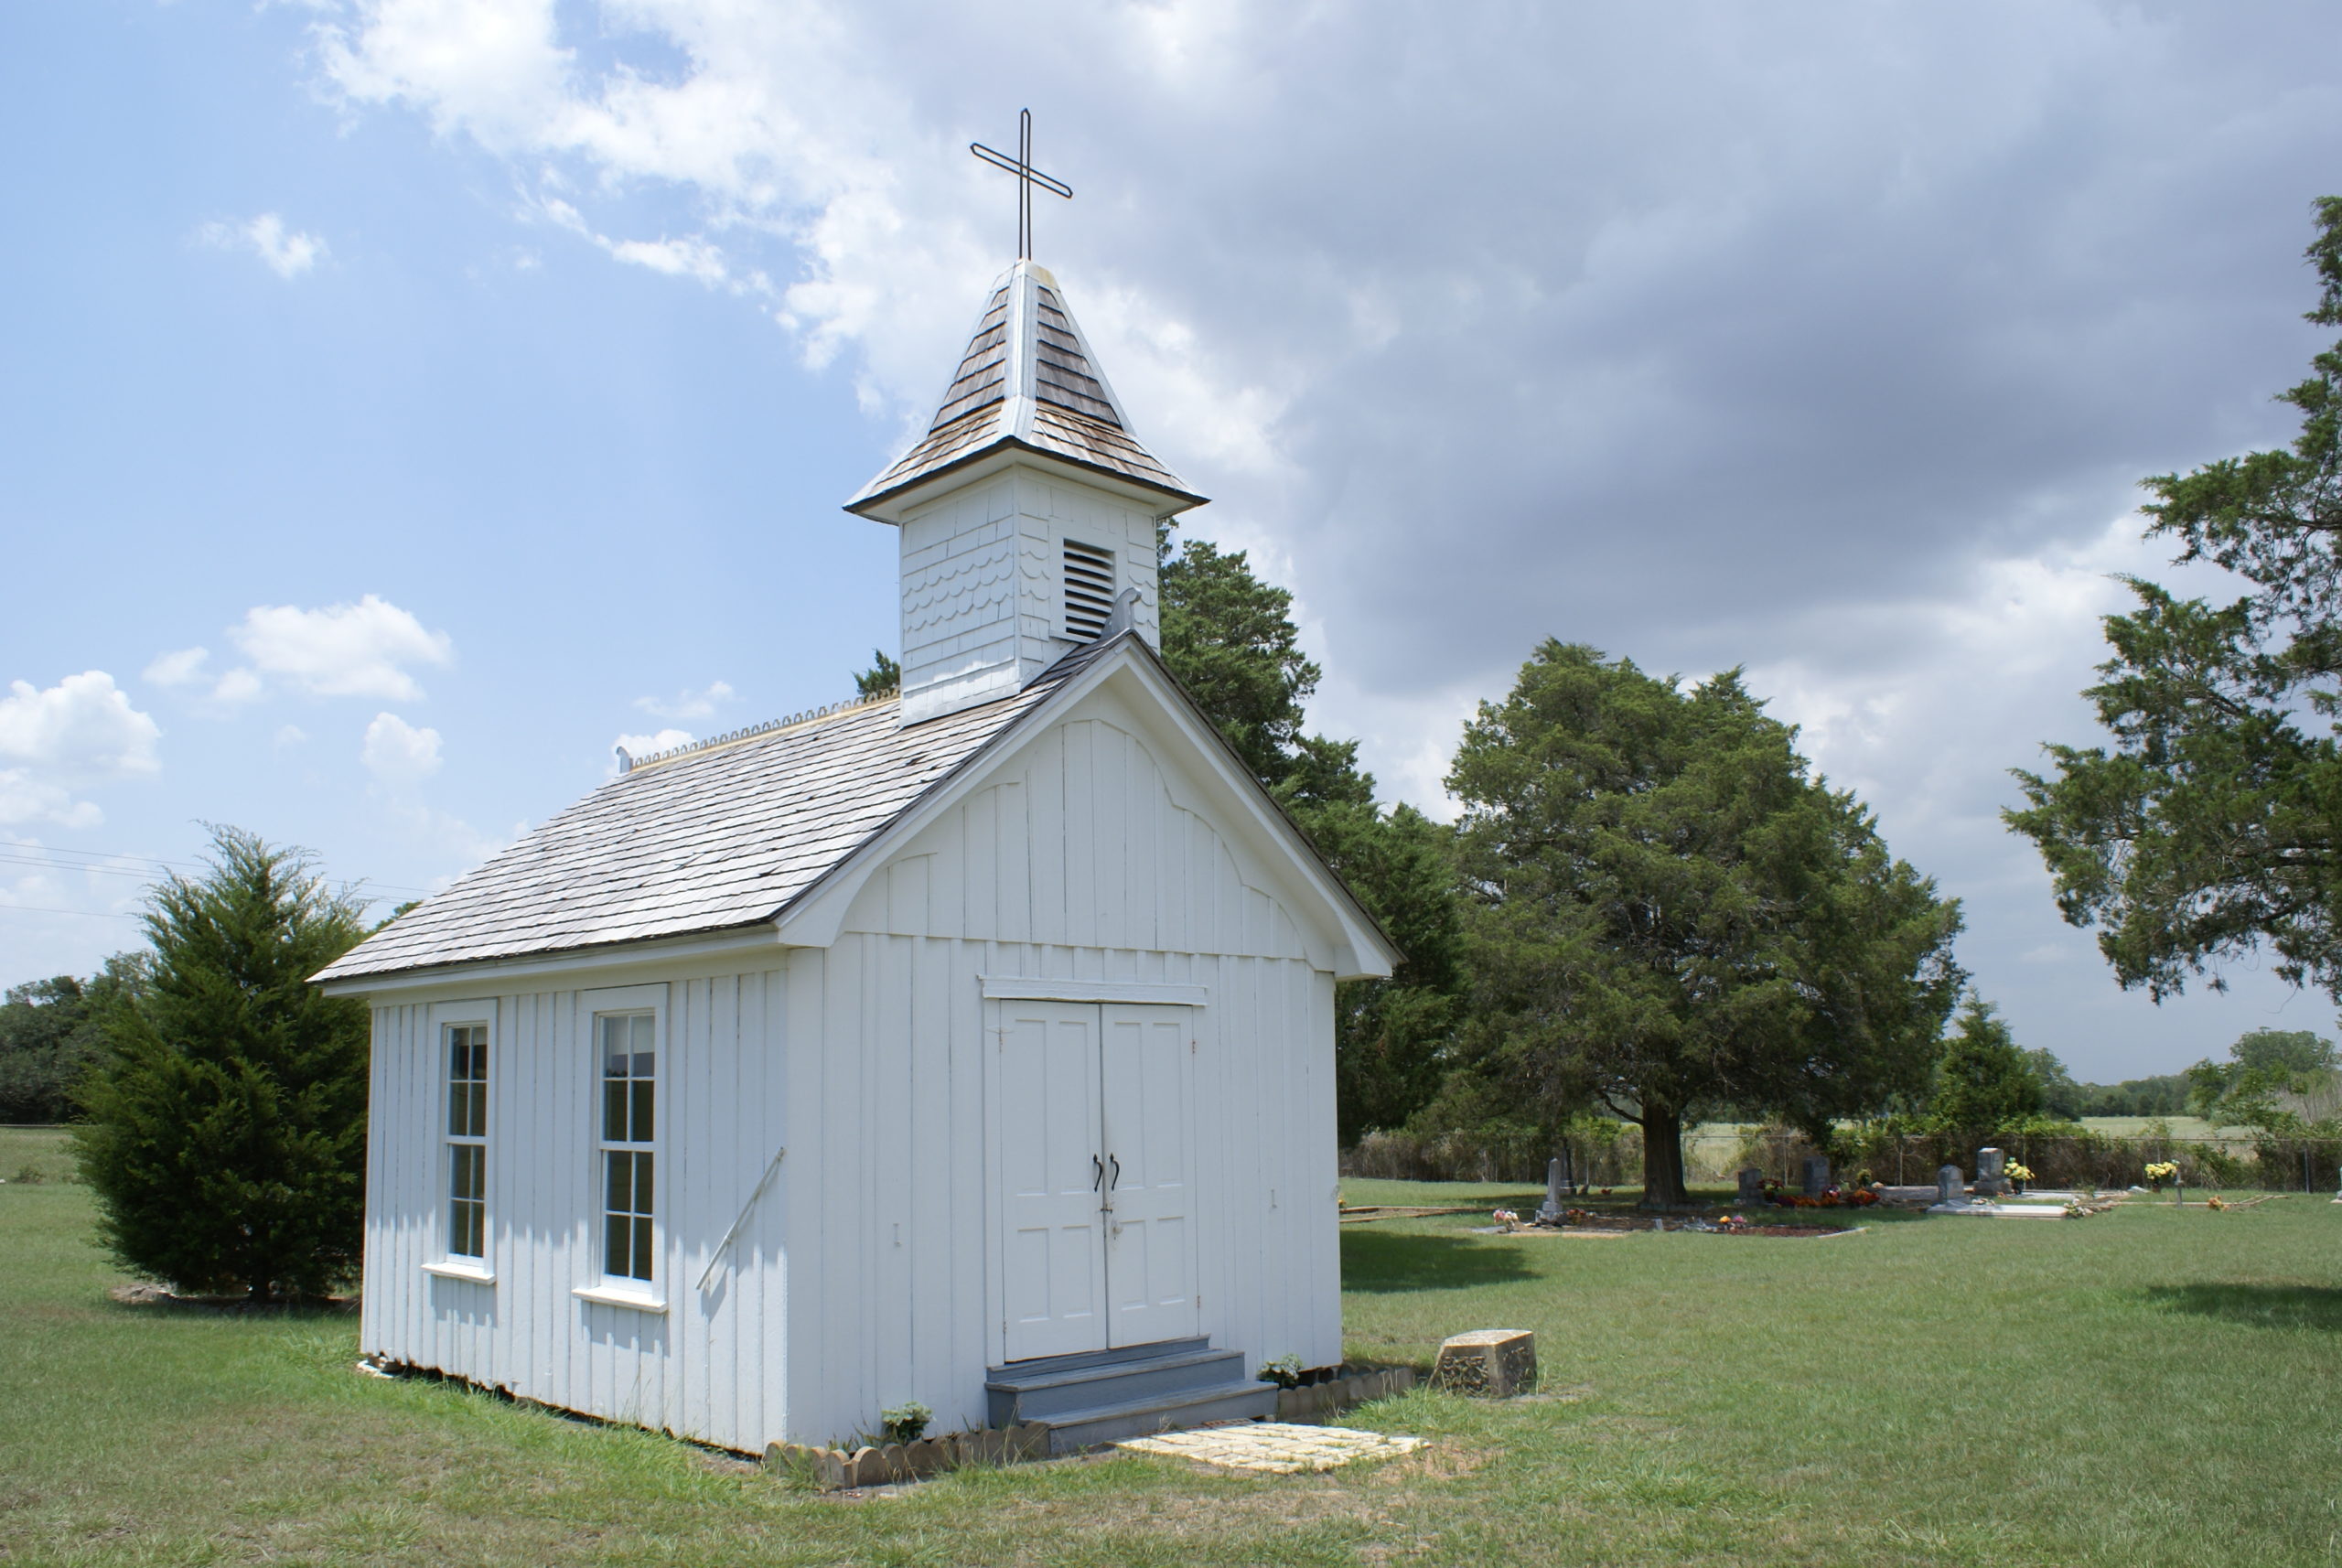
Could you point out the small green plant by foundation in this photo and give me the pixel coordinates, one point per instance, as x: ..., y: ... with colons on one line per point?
x: 904, y: 1422
x: 1284, y: 1371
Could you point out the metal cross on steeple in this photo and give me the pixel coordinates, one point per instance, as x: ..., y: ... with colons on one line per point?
x: 1027, y: 177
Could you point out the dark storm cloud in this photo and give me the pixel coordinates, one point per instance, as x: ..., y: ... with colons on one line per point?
x: 1827, y: 338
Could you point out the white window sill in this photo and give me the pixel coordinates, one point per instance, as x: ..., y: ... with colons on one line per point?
x: 619, y: 1295
x: 462, y: 1269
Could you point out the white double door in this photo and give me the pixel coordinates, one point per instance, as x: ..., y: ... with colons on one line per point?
x: 1096, y: 1125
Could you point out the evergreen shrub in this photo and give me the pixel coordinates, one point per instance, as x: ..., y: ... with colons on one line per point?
x: 225, y: 1125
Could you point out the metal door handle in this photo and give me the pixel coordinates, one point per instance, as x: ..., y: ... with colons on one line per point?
x: 1098, y: 1176
x: 1118, y: 1173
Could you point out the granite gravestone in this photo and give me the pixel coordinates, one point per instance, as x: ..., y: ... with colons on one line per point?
x: 1990, y: 1182
x: 1551, y: 1213
x: 1752, y: 1185
x: 1817, y: 1174
x: 1950, y: 1187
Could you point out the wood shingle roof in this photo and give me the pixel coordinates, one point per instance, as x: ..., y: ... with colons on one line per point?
x: 1027, y: 381
x: 715, y: 837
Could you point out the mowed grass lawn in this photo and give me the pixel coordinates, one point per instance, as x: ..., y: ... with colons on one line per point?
x: 2148, y: 1387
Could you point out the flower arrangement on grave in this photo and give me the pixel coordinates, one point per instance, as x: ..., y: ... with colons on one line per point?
x: 2161, y: 1172
x: 1735, y: 1223
x: 2214, y: 1202
x: 2018, y: 1172
x: 1506, y: 1219
x: 1577, y: 1215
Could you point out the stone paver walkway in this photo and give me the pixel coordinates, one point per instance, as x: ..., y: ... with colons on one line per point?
x: 1276, y: 1448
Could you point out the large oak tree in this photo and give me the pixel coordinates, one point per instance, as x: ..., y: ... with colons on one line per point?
x: 1669, y: 916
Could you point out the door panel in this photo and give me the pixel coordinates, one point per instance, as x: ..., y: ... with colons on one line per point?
x: 1149, y: 1140
x: 1055, y: 1259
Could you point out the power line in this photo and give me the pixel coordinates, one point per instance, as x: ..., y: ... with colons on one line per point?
x: 42, y: 909
x: 16, y: 854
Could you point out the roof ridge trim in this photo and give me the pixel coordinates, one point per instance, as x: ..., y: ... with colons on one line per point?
x: 758, y: 732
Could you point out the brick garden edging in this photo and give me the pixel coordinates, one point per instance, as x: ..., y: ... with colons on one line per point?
x: 834, y: 1469
x: 1315, y: 1402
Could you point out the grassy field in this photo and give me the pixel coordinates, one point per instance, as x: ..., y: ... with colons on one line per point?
x: 2150, y: 1387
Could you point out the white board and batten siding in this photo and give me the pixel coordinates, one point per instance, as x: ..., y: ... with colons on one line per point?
x: 1080, y: 862
x: 1078, y: 870
x: 712, y: 1366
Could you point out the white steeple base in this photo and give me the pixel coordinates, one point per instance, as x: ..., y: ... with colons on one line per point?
x: 985, y: 577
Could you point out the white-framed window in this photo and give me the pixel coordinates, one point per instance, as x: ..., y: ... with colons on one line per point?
x: 464, y: 1048
x: 1088, y: 590
x: 627, y: 1052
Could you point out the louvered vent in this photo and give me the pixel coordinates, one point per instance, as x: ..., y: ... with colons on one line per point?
x: 1089, y: 591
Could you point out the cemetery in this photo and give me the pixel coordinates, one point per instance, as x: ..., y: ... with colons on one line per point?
x: 157, y: 1432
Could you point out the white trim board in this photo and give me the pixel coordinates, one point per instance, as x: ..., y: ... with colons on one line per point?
x: 1018, y: 988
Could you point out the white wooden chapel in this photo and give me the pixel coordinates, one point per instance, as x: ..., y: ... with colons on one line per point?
x: 876, y: 1054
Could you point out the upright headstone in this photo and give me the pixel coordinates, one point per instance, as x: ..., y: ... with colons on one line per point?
x: 1950, y: 1187
x: 1752, y: 1185
x: 1817, y: 1174
x: 1990, y: 1182
x: 1552, y: 1212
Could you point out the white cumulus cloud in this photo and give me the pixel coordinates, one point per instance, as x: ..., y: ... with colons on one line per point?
x: 363, y: 649
x: 287, y: 253
x: 56, y: 740
x: 687, y: 704
x: 183, y: 667
x: 399, y: 755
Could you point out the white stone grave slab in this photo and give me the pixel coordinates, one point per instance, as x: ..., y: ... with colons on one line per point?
x: 1276, y: 1448
x: 2001, y: 1210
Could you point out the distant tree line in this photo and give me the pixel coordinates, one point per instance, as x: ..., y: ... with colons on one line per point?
x: 52, y: 1030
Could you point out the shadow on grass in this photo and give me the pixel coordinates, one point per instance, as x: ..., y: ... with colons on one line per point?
x: 148, y: 1299
x: 1385, y: 1263
x: 2262, y: 1306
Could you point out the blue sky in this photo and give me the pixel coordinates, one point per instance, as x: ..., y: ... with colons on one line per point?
x: 477, y: 384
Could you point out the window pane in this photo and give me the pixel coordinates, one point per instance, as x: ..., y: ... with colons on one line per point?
x: 616, y: 1243
x: 460, y: 1055
x: 614, y: 1047
x: 457, y: 1104
x: 642, y: 1112
x: 640, y: 1030
x: 642, y: 1269
x: 621, y: 1183
x: 461, y: 1171
x: 642, y: 1184
x: 614, y: 1112
x: 479, y: 1109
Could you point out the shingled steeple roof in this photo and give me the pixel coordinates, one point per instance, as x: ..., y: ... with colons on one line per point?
x: 1028, y: 381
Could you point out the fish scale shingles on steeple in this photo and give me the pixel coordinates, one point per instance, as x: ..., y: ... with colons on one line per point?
x: 713, y: 838
x: 1028, y: 379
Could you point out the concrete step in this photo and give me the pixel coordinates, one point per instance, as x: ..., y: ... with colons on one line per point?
x: 1016, y: 1396
x: 1044, y: 1365
x: 1072, y: 1431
